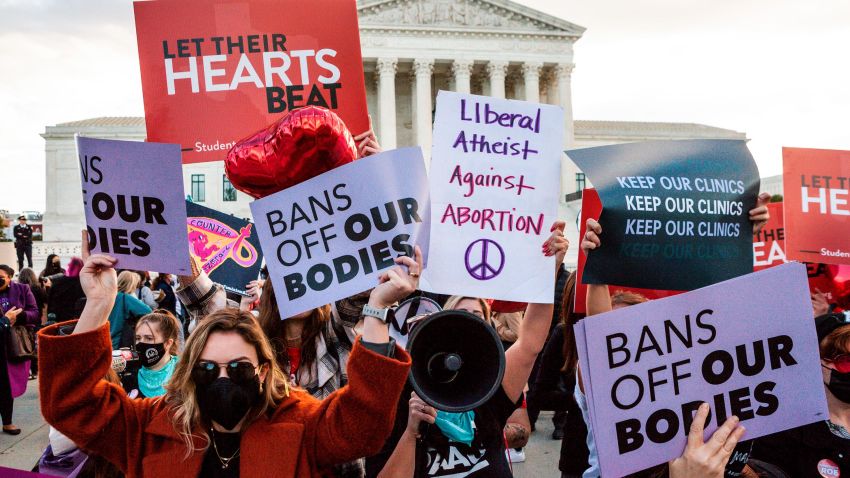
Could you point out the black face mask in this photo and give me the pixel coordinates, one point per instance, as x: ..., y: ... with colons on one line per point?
x: 2, y: 282
x: 839, y: 385
x: 150, y: 354
x: 226, y: 402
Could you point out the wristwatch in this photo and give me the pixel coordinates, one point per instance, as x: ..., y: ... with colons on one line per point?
x: 384, y: 315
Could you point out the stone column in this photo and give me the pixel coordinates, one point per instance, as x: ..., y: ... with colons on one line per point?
x: 497, y: 70
x: 422, y: 68
x: 531, y: 75
x: 386, y: 102
x: 462, y: 70
x: 563, y: 74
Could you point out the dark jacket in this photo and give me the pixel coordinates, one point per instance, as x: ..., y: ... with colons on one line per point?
x: 63, y: 296
x: 23, y: 235
x: 807, y: 451
x: 553, y: 390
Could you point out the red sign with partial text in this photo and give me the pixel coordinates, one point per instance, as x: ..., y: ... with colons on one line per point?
x: 817, y: 205
x: 214, y: 72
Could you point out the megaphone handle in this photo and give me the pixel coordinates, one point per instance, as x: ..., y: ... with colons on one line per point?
x: 424, y: 428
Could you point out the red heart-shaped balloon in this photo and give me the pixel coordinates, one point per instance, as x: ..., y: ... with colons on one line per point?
x: 303, y: 144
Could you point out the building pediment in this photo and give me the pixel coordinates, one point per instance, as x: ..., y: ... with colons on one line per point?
x: 491, y: 16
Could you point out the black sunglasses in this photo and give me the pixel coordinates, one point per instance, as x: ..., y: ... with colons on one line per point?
x: 206, y: 372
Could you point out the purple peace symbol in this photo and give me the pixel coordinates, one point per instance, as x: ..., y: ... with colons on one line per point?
x: 485, y: 259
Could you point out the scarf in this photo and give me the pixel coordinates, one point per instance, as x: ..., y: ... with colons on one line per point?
x: 151, y: 381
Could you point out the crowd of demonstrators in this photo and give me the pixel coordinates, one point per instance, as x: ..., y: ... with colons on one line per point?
x: 227, y: 389
x: 228, y: 410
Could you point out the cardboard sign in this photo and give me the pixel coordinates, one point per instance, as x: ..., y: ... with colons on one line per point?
x: 332, y: 236
x: 591, y: 207
x: 650, y: 366
x: 495, y: 180
x: 816, y: 183
x: 214, y: 72
x: 134, y: 203
x: 675, y: 213
x: 226, y: 247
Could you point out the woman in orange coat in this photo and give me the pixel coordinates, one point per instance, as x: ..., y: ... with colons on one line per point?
x: 228, y: 410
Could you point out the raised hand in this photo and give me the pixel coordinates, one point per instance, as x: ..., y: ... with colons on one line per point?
x: 759, y: 214
x: 367, y: 142
x: 418, y: 412
x: 98, y: 278
x: 556, y: 245
x: 591, y: 239
x: 820, y: 304
x: 397, y: 283
x: 707, y: 459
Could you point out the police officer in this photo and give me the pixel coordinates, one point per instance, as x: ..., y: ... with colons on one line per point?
x: 23, y: 242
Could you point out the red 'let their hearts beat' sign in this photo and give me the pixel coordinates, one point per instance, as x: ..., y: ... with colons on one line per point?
x: 214, y: 72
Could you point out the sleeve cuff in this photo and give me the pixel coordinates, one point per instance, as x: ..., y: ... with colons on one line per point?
x: 386, y: 349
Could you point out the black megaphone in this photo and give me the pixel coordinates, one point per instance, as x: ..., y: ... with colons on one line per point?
x: 458, y: 361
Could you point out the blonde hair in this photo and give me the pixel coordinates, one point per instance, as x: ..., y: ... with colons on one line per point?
x: 454, y: 300
x: 180, y: 390
x: 168, y: 325
x: 128, y: 282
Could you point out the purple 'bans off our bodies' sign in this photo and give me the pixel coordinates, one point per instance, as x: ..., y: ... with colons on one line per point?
x: 332, y: 236
x: 495, y: 180
x: 646, y: 368
x: 141, y: 222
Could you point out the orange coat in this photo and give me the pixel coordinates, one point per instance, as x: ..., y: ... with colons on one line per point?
x: 298, y: 439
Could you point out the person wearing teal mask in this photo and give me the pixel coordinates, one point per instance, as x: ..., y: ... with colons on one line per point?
x: 157, y: 343
x: 469, y: 444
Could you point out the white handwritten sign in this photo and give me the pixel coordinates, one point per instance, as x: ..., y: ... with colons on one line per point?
x: 494, y: 182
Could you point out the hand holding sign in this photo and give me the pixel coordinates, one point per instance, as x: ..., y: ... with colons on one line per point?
x: 759, y: 215
x: 557, y: 245
x: 367, y: 143
x: 707, y: 460
x: 396, y: 283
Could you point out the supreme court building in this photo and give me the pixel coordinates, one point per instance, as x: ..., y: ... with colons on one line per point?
x: 411, y: 49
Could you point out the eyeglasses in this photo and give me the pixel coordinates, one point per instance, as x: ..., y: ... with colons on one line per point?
x: 206, y: 372
x: 841, y: 363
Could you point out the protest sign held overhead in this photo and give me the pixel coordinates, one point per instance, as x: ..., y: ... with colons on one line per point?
x: 226, y: 247
x: 494, y: 182
x: 647, y: 368
x: 124, y: 217
x: 675, y: 213
x: 816, y: 183
x: 331, y: 237
x: 215, y: 71
x: 591, y: 207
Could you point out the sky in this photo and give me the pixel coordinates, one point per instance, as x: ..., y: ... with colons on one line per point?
x: 777, y: 70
